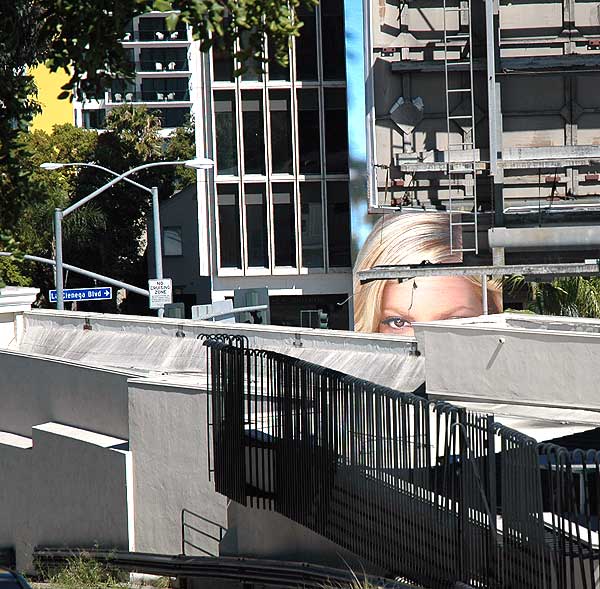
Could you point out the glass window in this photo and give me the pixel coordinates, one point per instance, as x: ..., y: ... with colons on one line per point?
x: 332, y: 35
x: 284, y: 225
x: 225, y: 123
x: 222, y: 61
x: 161, y: 59
x: 281, y: 132
x: 152, y: 28
x: 165, y: 89
x: 338, y: 224
x: 229, y: 226
x: 309, y: 131
x: 173, y: 117
x: 94, y: 119
x: 306, y: 46
x: 254, y: 135
x: 277, y: 71
x: 311, y: 218
x: 253, y: 67
x: 336, y: 132
x: 256, y: 226
x: 172, y: 241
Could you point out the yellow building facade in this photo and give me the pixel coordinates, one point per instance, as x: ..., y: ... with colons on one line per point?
x: 54, y: 111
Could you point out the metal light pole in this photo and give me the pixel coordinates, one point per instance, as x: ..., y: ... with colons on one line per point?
x: 60, y: 214
x: 158, y: 268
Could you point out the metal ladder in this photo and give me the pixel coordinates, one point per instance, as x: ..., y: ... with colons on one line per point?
x: 461, y: 172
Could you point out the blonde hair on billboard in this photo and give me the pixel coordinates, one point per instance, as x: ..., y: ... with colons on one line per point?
x: 408, y: 238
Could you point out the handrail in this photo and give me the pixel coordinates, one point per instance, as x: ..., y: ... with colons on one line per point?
x: 184, y: 526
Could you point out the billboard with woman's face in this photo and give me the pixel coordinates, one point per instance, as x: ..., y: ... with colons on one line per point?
x: 387, y: 306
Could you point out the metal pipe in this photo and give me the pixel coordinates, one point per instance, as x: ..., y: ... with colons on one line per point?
x: 108, y: 185
x: 541, y: 238
x: 235, y: 311
x: 158, y: 267
x: 84, y: 272
x: 491, y: 83
x: 556, y: 208
x: 484, y: 293
x: 58, y: 273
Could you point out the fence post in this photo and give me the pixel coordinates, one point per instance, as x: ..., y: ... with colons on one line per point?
x: 492, y: 499
x: 463, y: 507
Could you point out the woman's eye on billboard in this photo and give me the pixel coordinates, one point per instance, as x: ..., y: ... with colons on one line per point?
x: 391, y: 306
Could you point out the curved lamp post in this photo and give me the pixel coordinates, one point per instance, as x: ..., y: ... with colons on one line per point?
x: 60, y: 214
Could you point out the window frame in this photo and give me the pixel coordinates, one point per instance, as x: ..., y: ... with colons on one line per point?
x: 166, y: 228
x: 296, y: 179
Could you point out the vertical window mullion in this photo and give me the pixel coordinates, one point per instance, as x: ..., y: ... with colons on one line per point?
x: 241, y: 171
x: 267, y: 132
x: 322, y: 132
x: 297, y: 203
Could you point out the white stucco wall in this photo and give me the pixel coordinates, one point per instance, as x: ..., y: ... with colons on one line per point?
x: 513, y: 358
x: 36, y: 390
x: 168, y: 439
x: 68, y: 488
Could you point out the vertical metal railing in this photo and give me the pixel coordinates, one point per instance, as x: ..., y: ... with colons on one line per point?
x: 426, y: 490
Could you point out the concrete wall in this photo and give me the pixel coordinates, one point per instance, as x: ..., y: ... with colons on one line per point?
x: 63, y: 487
x: 500, y: 358
x: 168, y: 438
x: 79, y: 488
x: 143, y: 344
x: 36, y: 390
x: 15, y: 491
x: 264, y: 534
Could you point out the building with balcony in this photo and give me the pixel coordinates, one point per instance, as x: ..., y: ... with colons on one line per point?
x: 166, y: 79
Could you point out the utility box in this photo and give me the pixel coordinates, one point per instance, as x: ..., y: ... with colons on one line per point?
x: 252, y: 297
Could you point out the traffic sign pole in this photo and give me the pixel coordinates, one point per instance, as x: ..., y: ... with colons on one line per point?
x: 157, y: 241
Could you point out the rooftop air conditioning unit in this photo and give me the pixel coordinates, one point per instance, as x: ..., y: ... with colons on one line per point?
x: 174, y: 35
x: 160, y: 36
x: 118, y: 97
x: 158, y: 66
x: 171, y: 65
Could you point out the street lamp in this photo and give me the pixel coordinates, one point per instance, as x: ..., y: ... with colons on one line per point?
x: 60, y: 214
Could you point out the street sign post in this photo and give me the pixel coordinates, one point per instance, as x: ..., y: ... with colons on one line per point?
x: 101, y: 293
x: 161, y: 292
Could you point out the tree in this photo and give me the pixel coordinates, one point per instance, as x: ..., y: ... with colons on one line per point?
x: 571, y: 296
x: 181, y: 146
x: 82, y: 38
x: 108, y: 234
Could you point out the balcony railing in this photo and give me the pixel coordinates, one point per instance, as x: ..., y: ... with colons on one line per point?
x: 163, y: 65
x: 117, y: 97
x: 153, y: 36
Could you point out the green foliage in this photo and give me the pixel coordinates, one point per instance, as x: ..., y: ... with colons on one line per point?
x: 181, y: 147
x: 85, y: 35
x: 571, y: 296
x: 107, y: 235
x: 83, y: 572
x: 20, y: 47
x: 82, y: 38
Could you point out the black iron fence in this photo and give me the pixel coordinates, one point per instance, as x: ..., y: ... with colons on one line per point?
x: 422, y: 489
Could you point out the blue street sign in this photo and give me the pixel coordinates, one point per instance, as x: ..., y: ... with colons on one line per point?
x: 103, y: 293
